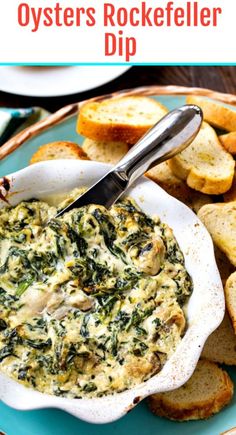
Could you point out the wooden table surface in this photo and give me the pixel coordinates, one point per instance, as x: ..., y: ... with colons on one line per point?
x: 221, y: 79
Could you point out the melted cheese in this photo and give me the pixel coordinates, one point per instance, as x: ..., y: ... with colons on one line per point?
x: 92, y: 303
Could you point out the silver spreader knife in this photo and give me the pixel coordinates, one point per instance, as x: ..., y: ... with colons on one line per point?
x: 168, y: 137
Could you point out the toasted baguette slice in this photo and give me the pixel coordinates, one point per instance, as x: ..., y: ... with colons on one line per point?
x: 205, y: 165
x: 229, y: 142
x: 230, y: 298
x: 123, y: 119
x: 220, y: 220
x: 223, y: 264
x: 58, y: 150
x: 220, y: 347
x: 206, y: 393
x: 107, y: 152
x: 229, y: 432
x: 162, y: 175
x: 231, y: 194
x: 215, y: 113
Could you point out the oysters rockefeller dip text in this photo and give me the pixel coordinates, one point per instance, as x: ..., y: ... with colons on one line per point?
x: 92, y: 303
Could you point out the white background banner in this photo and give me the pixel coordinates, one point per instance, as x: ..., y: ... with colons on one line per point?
x: 118, y: 31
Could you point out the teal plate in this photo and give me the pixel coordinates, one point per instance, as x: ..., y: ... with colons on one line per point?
x: 140, y: 421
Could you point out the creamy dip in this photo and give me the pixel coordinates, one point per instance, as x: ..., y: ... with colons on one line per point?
x: 92, y: 303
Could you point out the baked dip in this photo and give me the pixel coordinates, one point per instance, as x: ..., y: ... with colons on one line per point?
x: 91, y: 303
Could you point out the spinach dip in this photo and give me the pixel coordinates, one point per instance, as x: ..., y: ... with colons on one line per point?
x: 92, y: 303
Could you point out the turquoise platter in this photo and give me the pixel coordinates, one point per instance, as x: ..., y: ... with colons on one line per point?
x: 139, y: 421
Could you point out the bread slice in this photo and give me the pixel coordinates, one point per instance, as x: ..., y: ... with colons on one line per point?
x: 198, y: 200
x: 206, y: 393
x: 220, y: 220
x: 162, y: 175
x: 230, y: 298
x: 215, y: 113
x: 205, y: 165
x: 231, y: 194
x: 229, y: 142
x: 223, y: 264
x: 229, y: 432
x: 123, y: 119
x: 220, y: 347
x: 58, y: 150
x: 107, y: 152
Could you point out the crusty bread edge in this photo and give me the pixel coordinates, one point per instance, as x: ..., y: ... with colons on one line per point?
x: 118, y: 132
x: 229, y: 142
x: 228, y: 297
x: 195, y: 180
x: 220, y: 116
x: 79, y: 152
x: 110, y: 133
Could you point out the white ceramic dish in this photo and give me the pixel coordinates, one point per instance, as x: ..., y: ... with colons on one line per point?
x: 56, y: 81
x: 205, y: 309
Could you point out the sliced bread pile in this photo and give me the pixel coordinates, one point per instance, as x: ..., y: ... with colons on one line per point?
x: 111, y: 127
x: 208, y: 166
x: 203, y: 177
x: 210, y: 387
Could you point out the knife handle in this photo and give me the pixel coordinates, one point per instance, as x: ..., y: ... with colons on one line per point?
x: 168, y: 137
